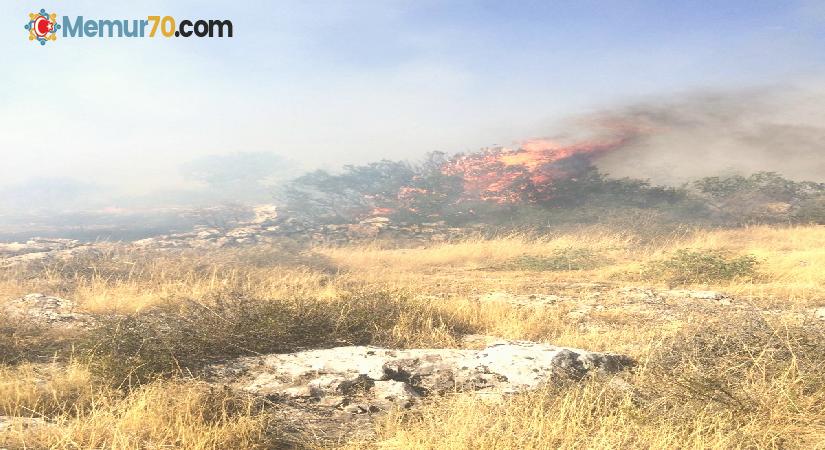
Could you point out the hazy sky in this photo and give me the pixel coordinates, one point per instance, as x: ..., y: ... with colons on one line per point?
x: 337, y: 82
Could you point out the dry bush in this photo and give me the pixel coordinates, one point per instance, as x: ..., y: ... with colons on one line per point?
x: 181, y: 337
x: 478, y: 252
x: 743, y: 367
x: 564, y: 259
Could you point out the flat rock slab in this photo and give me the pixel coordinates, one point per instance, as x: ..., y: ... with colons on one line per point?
x: 650, y: 294
x: 362, y: 379
x: 522, y: 300
x: 9, y: 422
x: 46, y: 310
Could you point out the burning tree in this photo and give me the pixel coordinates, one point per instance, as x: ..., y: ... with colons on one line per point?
x: 527, y: 174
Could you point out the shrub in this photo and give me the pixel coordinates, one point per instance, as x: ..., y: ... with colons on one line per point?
x: 701, y: 266
x: 182, y: 338
x: 566, y: 259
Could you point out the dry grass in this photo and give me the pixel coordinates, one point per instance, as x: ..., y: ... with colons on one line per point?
x: 201, y: 306
x: 710, y: 386
x: 791, y: 260
x: 168, y: 414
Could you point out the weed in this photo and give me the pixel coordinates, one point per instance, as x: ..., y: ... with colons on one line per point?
x: 564, y: 259
x: 701, y: 266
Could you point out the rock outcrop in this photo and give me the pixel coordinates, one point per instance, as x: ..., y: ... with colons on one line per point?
x: 39, y: 249
x: 46, y: 310
x: 335, y: 394
x: 361, y: 379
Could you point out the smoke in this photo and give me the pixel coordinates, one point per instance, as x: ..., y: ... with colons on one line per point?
x: 242, y: 176
x: 48, y: 194
x: 777, y: 129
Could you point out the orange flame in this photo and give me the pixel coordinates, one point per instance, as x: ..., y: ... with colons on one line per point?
x: 500, y: 174
x: 504, y: 175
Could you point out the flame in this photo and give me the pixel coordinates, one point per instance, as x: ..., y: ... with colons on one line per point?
x: 504, y: 174
x: 527, y: 173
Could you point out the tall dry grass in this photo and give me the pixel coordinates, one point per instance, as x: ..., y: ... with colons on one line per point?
x: 736, y: 382
x: 78, y: 413
x: 192, y: 307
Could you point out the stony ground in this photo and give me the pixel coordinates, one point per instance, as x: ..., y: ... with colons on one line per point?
x: 595, y: 338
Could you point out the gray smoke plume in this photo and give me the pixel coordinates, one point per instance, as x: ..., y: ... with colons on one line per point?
x: 778, y: 129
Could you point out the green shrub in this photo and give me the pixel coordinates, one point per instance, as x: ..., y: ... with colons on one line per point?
x: 566, y: 259
x: 701, y: 266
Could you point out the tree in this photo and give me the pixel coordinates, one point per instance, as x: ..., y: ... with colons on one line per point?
x: 356, y: 192
x: 761, y: 197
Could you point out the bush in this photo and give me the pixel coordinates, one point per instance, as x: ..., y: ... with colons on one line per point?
x: 701, y: 266
x: 182, y: 338
x: 566, y: 259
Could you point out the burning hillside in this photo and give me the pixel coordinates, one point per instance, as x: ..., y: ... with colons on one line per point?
x: 537, y: 180
x: 505, y: 175
x: 538, y: 172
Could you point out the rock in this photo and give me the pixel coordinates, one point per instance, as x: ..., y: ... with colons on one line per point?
x: 356, y: 409
x: 819, y: 313
x: 478, y: 341
x: 578, y: 314
x: 700, y: 295
x: 46, y: 310
x: 40, y: 249
x: 719, y: 297
x: 383, y: 378
x: 660, y: 295
x: 521, y: 300
x: 395, y: 392
x: 377, y: 220
x: 9, y: 422
x: 37, y: 245
x: 333, y: 401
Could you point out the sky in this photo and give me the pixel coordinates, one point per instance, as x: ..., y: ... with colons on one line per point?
x: 325, y: 83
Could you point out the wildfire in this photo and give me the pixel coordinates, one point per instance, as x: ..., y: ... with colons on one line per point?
x: 505, y: 175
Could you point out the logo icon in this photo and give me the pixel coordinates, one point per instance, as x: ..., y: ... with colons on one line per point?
x: 42, y: 26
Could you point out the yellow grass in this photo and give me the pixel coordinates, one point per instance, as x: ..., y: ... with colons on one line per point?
x: 164, y: 415
x: 440, y: 285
